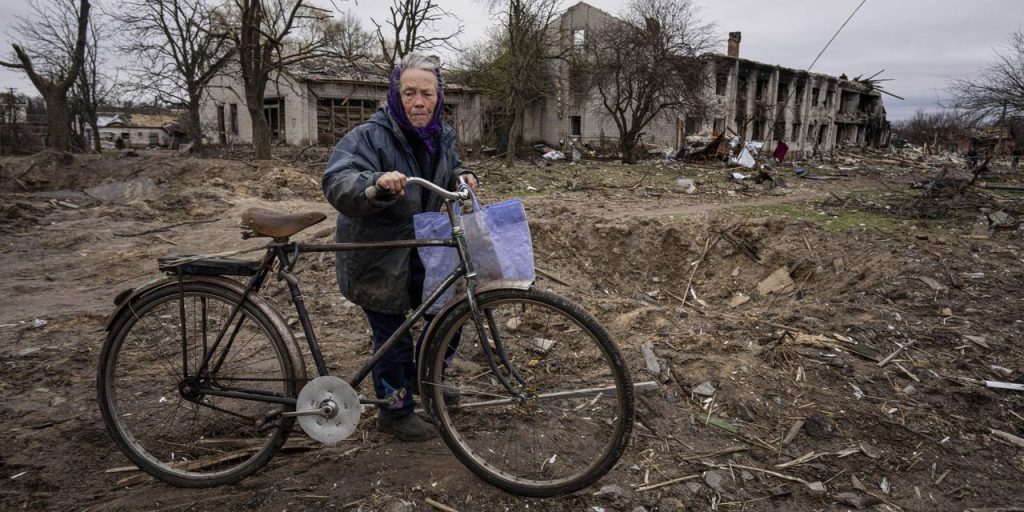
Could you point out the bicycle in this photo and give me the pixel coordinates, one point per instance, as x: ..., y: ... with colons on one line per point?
x: 200, y: 380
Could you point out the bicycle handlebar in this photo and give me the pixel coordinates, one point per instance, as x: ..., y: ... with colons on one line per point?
x: 376, y: 191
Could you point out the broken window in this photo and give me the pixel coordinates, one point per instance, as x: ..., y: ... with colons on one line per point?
x: 762, y: 89
x: 829, y: 96
x: 273, y: 110
x: 578, y: 38
x: 799, y: 95
x: 337, y: 116
x: 576, y: 126
x: 234, y: 118
x: 782, y: 97
x: 779, y: 131
x: 221, y: 131
x: 719, y: 124
x: 692, y: 126
x: 795, y: 134
x: 721, y: 82
x: 815, y: 92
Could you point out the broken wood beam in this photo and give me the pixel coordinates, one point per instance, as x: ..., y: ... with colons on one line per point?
x: 890, y: 357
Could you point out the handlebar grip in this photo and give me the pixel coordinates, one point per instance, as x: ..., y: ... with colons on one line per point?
x: 377, y: 192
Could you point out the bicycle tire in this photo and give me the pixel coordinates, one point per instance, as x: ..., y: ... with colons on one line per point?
x: 181, y: 437
x: 578, y: 417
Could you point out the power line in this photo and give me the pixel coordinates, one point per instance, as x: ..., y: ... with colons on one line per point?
x: 841, y: 27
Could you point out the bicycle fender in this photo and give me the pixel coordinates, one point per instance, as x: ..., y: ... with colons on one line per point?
x: 443, y: 315
x: 290, y: 343
x: 127, y: 296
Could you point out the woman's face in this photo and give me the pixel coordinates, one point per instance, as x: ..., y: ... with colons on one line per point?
x: 418, y: 88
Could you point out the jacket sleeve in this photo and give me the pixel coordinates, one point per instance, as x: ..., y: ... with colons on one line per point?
x: 457, y: 169
x: 352, y: 168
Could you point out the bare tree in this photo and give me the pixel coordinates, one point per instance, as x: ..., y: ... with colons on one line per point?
x: 92, y: 88
x: 269, y: 36
x: 347, y: 39
x: 176, y: 52
x: 998, y: 91
x: 56, y: 39
x: 648, y: 64
x: 939, y: 128
x: 413, y: 27
x: 514, y: 67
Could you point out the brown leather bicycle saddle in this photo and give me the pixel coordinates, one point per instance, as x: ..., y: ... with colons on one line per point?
x: 278, y: 225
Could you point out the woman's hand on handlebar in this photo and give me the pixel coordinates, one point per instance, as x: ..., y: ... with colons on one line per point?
x: 470, y: 182
x: 393, y: 183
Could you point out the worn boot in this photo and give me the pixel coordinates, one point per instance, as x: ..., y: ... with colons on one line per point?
x: 408, y: 428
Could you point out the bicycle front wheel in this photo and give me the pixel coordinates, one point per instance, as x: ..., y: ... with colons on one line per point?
x: 570, y: 414
x: 157, y: 405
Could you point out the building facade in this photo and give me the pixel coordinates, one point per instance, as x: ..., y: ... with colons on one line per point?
x: 318, y: 102
x: 752, y: 100
x: 136, y: 131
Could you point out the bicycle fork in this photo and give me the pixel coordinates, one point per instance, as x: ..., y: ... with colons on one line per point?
x: 485, y: 346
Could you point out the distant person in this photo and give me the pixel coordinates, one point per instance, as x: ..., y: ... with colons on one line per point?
x: 1015, y: 159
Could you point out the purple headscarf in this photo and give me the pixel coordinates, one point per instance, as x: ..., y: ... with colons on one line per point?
x: 428, y: 134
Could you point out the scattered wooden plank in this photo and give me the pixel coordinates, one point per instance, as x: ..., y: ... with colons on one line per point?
x: 907, y: 373
x: 667, y: 482
x: 1008, y: 437
x: 933, y: 284
x: 890, y: 357
x: 440, y: 506
x: 767, y: 472
x: 720, y: 423
x: 799, y: 460
x: 714, y: 453
x: 1004, y: 385
x: 793, y: 431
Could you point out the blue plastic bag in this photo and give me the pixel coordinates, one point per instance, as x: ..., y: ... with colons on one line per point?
x: 499, y: 242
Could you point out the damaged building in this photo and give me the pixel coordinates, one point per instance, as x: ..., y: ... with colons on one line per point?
x: 809, y: 111
x: 317, y: 102
x: 753, y: 100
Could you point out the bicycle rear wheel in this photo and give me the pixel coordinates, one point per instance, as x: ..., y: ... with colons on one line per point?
x: 169, y: 425
x: 575, y: 413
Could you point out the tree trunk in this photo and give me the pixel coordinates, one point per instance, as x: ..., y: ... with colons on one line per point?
x: 58, y: 123
x: 260, y: 132
x: 254, y: 96
x: 627, y: 144
x: 96, y: 146
x: 510, y: 147
x: 195, y: 128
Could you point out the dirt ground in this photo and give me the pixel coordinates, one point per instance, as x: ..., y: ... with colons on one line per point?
x: 806, y: 410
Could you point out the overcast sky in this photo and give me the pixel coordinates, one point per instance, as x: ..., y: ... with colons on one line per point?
x: 920, y: 44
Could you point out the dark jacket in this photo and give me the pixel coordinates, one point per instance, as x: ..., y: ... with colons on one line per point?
x: 378, y: 280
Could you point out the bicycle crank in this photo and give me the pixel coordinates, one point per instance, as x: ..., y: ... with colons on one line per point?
x: 328, y: 409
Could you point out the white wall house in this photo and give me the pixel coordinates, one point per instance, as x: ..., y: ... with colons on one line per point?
x: 318, y: 102
x: 136, y: 130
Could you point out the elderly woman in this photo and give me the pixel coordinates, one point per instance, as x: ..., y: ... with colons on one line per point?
x: 407, y: 138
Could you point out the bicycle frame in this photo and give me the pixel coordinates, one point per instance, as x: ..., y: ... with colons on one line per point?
x: 284, y: 255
